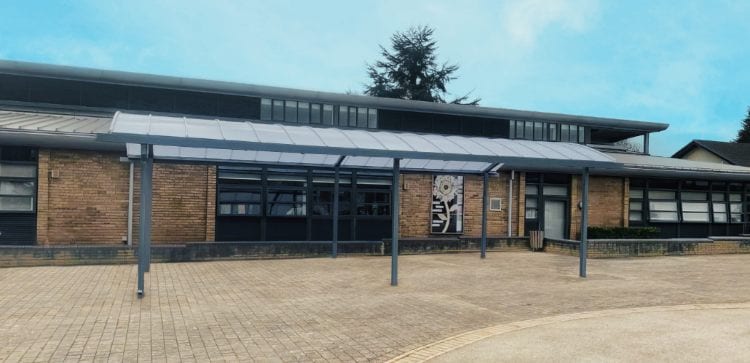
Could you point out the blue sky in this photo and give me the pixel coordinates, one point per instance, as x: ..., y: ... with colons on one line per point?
x: 686, y: 63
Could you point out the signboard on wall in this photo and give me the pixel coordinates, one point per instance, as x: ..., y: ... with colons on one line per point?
x: 447, y: 204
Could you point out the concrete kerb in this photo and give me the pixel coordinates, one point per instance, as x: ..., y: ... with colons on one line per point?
x: 430, y: 351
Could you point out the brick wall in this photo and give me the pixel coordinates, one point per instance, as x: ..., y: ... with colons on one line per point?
x: 608, y: 203
x: 416, y: 203
x: 87, y: 201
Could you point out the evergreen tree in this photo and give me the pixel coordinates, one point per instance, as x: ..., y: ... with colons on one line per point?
x: 410, y: 70
x: 744, y: 134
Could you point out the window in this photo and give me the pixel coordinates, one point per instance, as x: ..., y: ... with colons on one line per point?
x: 519, y: 129
x: 581, y: 135
x: 662, y: 206
x: 17, y: 187
x: 555, y: 190
x: 635, y: 209
x: 362, y: 117
x: 538, y: 133
x: 286, y: 195
x: 373, y: 196
x: 278, y: 110
x: 529, y: 130
x: 719, y: 205
x: 512, y: 129
x: 372, y: 119
x: 496, y: 204
x: 564, y: 133
x: 352, y: 116
x: 735, y: 208
x: 694, y: 207
x: 343, y: 116
x: 327, y: 114
x: 552, y: 132
x: 303, y: 112
x: 290, y: 113
x: 322, y: 197
x: 265, y: 109
x: 239, y: 202
x: 532, y: 194
x: 314, y: 113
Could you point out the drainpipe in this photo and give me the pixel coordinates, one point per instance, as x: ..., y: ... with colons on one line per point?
x: 510, y: 203
x: 130, y: 205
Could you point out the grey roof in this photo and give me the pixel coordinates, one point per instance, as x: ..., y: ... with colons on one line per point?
x: 57, y: 123
x: 227, y: 141
x: 731, y: 152
x: 659, y: 166
x: 192, y: 84
x: 54, y: 130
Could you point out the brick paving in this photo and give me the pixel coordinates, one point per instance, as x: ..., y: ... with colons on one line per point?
x: 323, y: 309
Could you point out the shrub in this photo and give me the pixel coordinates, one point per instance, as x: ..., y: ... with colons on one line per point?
x: 623, y: 232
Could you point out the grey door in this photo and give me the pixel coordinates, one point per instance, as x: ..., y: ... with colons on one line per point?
x: 554, y: 219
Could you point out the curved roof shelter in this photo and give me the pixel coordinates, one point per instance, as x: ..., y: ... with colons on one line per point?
x: 192, y: 139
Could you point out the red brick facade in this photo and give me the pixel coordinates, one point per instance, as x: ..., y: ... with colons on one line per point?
x: 83, y: 199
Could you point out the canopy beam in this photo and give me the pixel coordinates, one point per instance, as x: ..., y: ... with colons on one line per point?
x: 583, y: 252
x: 144, y: 227
x: 395, y: 202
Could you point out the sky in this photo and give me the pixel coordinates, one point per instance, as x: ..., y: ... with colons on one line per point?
x: 685, y: 63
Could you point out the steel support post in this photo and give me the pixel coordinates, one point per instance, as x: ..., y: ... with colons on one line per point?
x: 583, y: 252
x: 395, y: 201
x: 335, y: 240
x: 485, y: 202
x: 144, y: 225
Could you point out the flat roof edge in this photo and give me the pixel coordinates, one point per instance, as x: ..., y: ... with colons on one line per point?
x: 195, y: 84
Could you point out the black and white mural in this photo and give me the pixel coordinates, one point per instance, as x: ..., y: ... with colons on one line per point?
x: 447, y: 204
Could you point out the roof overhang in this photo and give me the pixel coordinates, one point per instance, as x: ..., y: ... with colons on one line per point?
x: 217, y: 141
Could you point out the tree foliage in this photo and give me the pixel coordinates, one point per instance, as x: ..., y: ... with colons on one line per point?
x: 410, y: 70
x: 743, y: 135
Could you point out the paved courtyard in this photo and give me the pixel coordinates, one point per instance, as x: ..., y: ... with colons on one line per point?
x: 324, y: 309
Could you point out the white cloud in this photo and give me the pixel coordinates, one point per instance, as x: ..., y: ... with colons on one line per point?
x: 526, y: 20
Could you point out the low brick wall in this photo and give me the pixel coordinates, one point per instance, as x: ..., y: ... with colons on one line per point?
x: 416, y: 246
x: 612, y: 248
x: 58, y: 255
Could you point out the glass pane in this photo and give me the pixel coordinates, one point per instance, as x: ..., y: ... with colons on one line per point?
x: 538, y: 131
x: 225, y: 208
x: 636, y: 194
x: 16, y: 204
x: 564, y: 133
x: 555, y: 190
x: 720, y: 217
x: 693, y: 196
x: 253, y: 209
x: 352, y: 116
x: 343, y: 116
x: 327, y: 114
x: 532, y: 190
x: 735, y: 208
x: 581, y: 134
x: 17, y: 188
x: 529, y: 130
x: 531, y: 203
x: 573, y: 135
x: 315, y: 113
x: 660, y: 194
x: 695, y: 217
x: 290, y: 114
x: 18, y: 171
x: 303, y: 112
x: 663, y: 216
x: 286, y: 209
x: 636, y: 206
x: 372, y: 181
x: 694, y: 207
x: 321, y: 209
x: 265, y: 109
x: 362, y: 117
x: 530, y: 213
x: 552, y: 132
x: 717, y: 197
x: 635, y: 216
x: 663, y: 206
x: 372, y: 118
x: 278, y: 110
x: 512, y: 129
x: 736, y: 218
x: 519, y: 129
x: 733, y: 197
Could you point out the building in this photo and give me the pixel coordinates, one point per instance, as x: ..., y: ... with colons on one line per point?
x: 731, y: 153
x: 61, y: 184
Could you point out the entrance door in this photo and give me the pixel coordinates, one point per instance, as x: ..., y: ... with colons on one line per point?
x: 554, y: 219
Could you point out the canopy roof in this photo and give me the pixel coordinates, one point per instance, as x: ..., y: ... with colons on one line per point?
x: 193, y: 139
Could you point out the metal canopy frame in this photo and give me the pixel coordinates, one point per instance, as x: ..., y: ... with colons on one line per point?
x: 196, y: 140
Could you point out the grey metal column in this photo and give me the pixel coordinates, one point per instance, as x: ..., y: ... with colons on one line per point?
x: 335, y: 240
x: 395, y: 200
x: 144, y: 225
x: 583, y: 253
x: 485, y: 201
